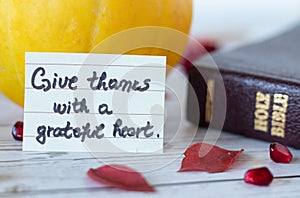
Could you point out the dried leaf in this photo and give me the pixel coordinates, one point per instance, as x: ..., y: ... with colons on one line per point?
x: 209, y: 158
x: 120, y: 177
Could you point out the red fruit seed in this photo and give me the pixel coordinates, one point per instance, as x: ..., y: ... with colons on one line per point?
x: 196, y: 48
x: 17, y: 131
x: 280, y: 153
x: 258, y: 176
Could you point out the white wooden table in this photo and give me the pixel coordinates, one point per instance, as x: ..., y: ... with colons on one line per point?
x: 37, y: 174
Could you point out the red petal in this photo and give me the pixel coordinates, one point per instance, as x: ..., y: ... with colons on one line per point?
x: 120, y: 177
x: 258, y: 176
x: 209, y: 158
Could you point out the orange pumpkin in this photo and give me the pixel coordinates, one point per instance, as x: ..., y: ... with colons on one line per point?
x: 78, y: 26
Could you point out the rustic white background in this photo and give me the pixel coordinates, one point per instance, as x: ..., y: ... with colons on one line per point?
x: 64, y: 174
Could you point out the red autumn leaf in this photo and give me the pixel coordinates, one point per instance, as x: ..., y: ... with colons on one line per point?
x: 209, y: 158
x: 120, y: 177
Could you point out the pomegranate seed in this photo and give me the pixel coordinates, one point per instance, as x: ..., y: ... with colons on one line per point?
x: 17, y: 130
x: 194, y: 50
x: 280, y: 153
x: 258, y: 176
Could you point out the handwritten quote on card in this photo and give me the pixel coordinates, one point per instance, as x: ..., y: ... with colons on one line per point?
x: 94, y: 102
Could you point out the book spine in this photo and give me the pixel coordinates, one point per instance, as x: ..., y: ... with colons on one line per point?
x: 257, y: 107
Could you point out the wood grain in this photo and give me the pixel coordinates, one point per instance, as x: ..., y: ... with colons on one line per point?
x: 42, y: 174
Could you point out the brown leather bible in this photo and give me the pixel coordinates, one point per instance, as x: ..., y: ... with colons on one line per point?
x: 262, y: 89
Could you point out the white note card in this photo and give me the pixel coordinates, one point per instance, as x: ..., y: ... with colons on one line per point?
x: 82, y: 102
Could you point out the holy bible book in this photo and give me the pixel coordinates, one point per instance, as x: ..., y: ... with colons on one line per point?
x: 262, y: 89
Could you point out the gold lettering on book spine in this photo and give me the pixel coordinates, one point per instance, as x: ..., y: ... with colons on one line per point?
x: 209, y: 100
x: 261, y: 113
x: 279, y: 115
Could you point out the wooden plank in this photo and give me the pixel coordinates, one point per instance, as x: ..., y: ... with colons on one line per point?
x: 222, y: 188
x: 57, y: 171
x: 41, y: 174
